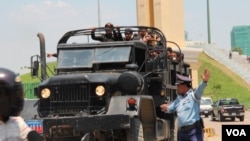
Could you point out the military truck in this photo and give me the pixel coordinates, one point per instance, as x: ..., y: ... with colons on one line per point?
x: 104, y: 91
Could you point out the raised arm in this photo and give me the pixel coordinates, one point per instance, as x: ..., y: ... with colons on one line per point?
x: 200, y: 89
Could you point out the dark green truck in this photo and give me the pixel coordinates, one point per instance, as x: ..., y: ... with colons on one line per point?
x: 104, y: 91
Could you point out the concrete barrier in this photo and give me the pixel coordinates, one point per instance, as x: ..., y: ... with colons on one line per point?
x: 209, y: 132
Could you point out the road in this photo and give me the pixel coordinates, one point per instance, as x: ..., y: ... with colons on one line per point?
x: 216, y: 125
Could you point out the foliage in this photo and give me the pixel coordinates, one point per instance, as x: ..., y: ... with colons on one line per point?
x: 26, y: 78
x: 237, y: 49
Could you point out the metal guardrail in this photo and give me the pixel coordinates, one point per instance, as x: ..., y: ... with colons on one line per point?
x: 29, y: 90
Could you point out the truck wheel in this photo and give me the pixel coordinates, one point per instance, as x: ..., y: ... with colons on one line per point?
x: 206, y: 115
x: 242, y: 118
x: 220, y: 117
x: 212, y: 116
x: 175, y: 131
x: 173, y: 128
x: 135, y: 132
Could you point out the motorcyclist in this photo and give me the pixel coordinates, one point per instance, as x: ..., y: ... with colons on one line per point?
x: 12, y: 125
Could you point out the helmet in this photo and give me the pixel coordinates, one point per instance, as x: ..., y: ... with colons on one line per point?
x: 11, y: 93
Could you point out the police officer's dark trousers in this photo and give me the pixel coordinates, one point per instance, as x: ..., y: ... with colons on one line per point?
x: 191, y: 133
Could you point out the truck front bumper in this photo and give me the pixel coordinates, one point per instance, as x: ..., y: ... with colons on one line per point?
x: 88, y: 124
x: 233, y: 114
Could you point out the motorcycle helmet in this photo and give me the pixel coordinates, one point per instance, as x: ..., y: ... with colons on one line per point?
x: 11, y: 93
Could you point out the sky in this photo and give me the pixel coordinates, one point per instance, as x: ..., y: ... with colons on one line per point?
x: 21, y: 20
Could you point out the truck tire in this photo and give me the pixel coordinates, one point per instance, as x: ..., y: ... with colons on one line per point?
x: 173, y: 128
x: 206, y: 115
x: 175, y: 137
x: 221, y: 118
x: 212, y: 116
x: 242, y: 118
x: 135, y: 132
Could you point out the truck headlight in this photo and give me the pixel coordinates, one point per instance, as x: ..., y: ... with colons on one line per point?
x: 100, y: 90
x: 45, y: 93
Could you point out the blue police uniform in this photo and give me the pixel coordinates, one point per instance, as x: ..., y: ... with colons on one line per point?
x: 187, y: 108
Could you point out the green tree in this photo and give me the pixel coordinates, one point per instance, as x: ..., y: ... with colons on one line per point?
x: 237, y: 49
x: 216, y: 88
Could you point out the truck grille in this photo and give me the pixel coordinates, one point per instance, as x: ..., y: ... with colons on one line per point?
x: 66, y: 100
x: 69, y: 94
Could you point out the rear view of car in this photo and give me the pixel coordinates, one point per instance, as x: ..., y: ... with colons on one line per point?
x: 228, y: 108
x: 206, y: 106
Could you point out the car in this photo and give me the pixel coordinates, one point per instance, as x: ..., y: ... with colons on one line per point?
x: 206, y: 106
x: 228, y: 108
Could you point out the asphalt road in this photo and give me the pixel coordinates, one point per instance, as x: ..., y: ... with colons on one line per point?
x: 216, y: 125
x: 29, y: 109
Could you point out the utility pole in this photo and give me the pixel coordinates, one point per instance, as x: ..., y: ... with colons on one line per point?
x: 208, y: 24
x: 99, y: 19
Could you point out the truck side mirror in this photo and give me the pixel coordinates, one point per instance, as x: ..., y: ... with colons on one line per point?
x: 34, y: 68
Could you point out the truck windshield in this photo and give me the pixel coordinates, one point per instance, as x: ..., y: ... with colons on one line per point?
x: 206, y: 102
x: 229, y: 102
x: 75, y: 58
x: 112, y: 54
x: 84, y: 58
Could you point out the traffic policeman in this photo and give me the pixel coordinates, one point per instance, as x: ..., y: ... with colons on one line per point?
x: 187, y: 107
